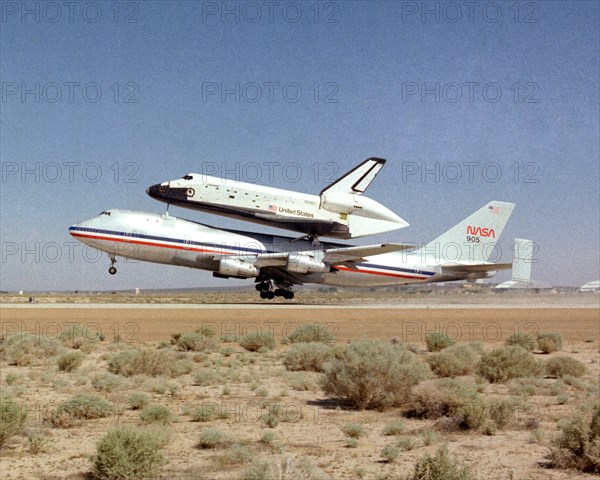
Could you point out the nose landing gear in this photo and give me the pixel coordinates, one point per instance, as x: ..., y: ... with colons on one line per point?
x: 112, y: 270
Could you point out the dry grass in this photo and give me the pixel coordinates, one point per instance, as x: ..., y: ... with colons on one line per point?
x: 308, y: 420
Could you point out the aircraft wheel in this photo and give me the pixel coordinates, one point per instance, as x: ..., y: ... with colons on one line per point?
x: 258, y: 287
x: 263, y: 295
x: 280, y: 293
x: 112, y: 270
x: 269, y: 295
x: 288, y: 295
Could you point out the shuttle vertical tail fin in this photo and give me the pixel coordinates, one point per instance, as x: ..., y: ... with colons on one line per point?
x: 473, y: 240
x: 357, y: 180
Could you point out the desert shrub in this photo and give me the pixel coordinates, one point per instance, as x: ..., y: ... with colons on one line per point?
x: 501, y: 412
x: 106, y: 382
x: 12, y: 418
x: 258, y: 341
x: 303, y: 381
x: 354, y: 430
x: 206, y: 376
x: 138, y: 400
x: 261, y: 392
x: 595, y: 423
x: 284, y: 467
x: 129, y: 453
x: 470, y: 352
x: 394, y: 428
x: 436, y: 398
x: 307, y: 356
x: 351, y: 442
x: 406, y: 443
x: 204, y: 413
x: 446, y: 364
x: 311, y: 332
x: 148, y: 362
x: 429, y: 437
x: 37, y: 441
x: 236, y: 455
x: 549, y: 342
x: 390, y: 453
x: 69, y: 361
x: 195, y: 342
x: 156, y: 414
x: 502, y: 364
x: 27, y: 349
x: 230, y: 337
x: 270, y: 419
x: 578, y: 444
x: 77, y: 336
x: 448, y: 398
x: 522, y: 340
x: 561, y: 366
x: 213, y: 438
x: 227, y: 351
x: 475, y: 416
x: 438, y: 341
x: 86, y: 406
x: 523, y: 387
x: 371, y: 374
x: 267, y: 437
x: 440, y: 466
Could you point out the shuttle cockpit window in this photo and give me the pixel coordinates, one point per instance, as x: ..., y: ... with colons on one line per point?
x: 188, y: 177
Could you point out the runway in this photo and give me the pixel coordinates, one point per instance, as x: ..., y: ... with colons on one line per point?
x: 136, y: 323
x: 288, y: 306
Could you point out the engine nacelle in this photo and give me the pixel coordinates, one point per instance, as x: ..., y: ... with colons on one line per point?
x: 299, y: 263
x: 341, y: 202
x: 471, y: 277
x: 230, y: 267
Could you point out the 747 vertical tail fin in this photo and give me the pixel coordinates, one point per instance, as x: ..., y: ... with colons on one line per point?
x: 471, y: 241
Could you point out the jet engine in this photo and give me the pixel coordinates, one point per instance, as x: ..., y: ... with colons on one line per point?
x: 299, y: 263
x: 230, y: 267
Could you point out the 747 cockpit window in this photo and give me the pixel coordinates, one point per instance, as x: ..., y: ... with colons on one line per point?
x: 188, y: 177
x: 106, y: 212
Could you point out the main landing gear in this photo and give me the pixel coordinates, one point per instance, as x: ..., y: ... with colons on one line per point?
x: 268, y: 291
x: 112, y: 270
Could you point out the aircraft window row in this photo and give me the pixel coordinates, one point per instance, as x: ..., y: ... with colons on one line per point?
x: 188, y: 177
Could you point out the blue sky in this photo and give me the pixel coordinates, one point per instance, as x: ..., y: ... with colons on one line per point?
x: 103, y: 100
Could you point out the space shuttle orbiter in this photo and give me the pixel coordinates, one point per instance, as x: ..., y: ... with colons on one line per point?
x: 339, y: 211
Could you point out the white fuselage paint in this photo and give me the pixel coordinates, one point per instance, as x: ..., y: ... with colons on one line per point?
x: 168, y: 240
x: 349, y: 215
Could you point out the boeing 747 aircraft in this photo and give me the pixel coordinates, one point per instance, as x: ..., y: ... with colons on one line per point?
x: 278, y: 263
x: 339, y: 211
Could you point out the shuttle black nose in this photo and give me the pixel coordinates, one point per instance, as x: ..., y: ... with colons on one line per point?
x: 154, y: 191
x: 168, y: 194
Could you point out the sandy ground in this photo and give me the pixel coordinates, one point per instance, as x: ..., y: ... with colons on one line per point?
x: 249, y: 381
x: 141, y: 324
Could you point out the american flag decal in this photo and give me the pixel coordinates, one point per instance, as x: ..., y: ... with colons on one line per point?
x: 494, y: 209
x: 272, y: 208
